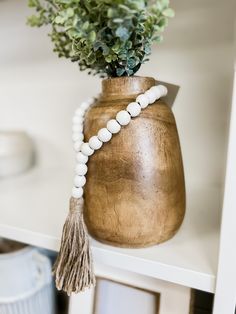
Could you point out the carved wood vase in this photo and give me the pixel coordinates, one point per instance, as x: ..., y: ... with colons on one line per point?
x: 135, y: 190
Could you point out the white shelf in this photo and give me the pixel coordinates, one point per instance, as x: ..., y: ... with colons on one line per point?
x: 33, y: 208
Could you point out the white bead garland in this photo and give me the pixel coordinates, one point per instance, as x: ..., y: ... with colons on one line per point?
x: 86, y: 149
x: 95, y: 143
x: 156, y: 90
x: 134, y: 109
x: 151, y: 96
x: 81, y: 158
x: 113, y: 126
x: 104, y: 135
x: 77, y: 192
x: 77, y: 145
x: 79, y: 112
x: 123, y: 117
x: 77, y: 137
x: 85, y: 105
x: 142, y: 100
x: 77, y: 128
x: 81, y: 169
x: 77, y: 120
x: 79, y: 181
x: 163, y: 90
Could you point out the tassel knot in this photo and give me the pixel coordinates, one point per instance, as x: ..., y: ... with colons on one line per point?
x: 76, y: 205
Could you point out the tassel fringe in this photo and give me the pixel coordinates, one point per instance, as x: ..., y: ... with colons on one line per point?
x: 73, y: 268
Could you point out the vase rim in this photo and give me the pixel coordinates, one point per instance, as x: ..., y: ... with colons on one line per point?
x: 128, y: 77
x: 126, y: 85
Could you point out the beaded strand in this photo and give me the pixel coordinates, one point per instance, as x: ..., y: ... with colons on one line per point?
x: 85, y: 150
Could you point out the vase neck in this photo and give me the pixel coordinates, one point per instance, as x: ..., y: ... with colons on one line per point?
x: 124, y: 87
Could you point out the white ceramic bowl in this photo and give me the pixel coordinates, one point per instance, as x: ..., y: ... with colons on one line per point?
x: 16, y: 152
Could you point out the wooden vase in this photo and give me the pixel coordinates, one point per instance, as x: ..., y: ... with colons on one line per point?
x: 135, y: 190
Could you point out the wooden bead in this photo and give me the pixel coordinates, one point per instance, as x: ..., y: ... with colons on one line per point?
x: 134, y: 109
x: 79, y: 181
x: 77, y: 128
x: 151, y: 96
x: 113, y: 126
x: 104, y: 135
x: 81, y: 158
x: 91, y: 100
x: 156, y: 91
x: 77, y: 120
x: 77, y: 136
x: 77, y: 192
x: 163, y: 90
x: 77, y: 145
x: 123, y: 117
x: 79, y: 112
x: 95, y: 143
x: 85, y: 105
x: 86, y: 149
x: 142, y: 100
x: 81, y: 169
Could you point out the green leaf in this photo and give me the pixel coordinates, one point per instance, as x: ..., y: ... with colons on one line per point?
x: 157, y: 39
x: 122, y: 33
x: 120, y: 71
x: 91, y: 58
x: 116, y: 48
x: 108, y: 59
x: 92, y: 36
x: 165, y: 3
x: 59, y: 19
x: 123, y: 56
x: 85, y: 26
x: 162, y: 4
x: 33, y: 3
x: 131, y: 63
x: 139, y: 4
x: 126, y: 8
x: 129, y: 72
x: 117, y: 20
x: 97, y: 45
x: 105, y: 50
x: 147, y: 49
x: 34, y: 21
x: 69, y: 12
x: 64, y: 1
x: 110, y: 13
x: 168, y: 12
x: 129, y: 44
x: 163, y: 22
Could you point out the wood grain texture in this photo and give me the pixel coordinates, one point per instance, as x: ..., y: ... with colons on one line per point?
x: 135, y: 191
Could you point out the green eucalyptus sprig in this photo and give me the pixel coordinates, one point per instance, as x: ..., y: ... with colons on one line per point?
x: 108, y: 37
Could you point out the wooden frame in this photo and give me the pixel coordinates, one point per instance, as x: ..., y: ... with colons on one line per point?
x: 174, y: 299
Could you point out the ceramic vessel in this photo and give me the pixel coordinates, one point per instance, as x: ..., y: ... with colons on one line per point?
x: 26, y: 282
x: 135, y: 190
x: 16, y: 153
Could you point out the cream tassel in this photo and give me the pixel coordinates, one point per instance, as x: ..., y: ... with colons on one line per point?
x: 74, y: 267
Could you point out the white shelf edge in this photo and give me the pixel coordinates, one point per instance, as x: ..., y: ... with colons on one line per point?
x: 162, y: 271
